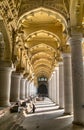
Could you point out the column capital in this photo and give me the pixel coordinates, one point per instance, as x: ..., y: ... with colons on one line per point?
x: 56, y: 68
x: 23, y: 79
x: 17, y: 75
x: 76, y: 30
x: 75, y: 39
x: 61, y: 63
x: 66, y: 55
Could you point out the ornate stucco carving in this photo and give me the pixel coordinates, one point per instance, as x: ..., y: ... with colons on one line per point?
x: 40, y: 49
x: 57, y: 5
x: 2, y: 47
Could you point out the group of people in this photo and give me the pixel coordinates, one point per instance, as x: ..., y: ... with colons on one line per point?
x: 18, y: 106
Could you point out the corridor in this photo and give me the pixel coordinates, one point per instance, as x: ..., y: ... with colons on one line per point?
x: 47, y: 117
x: 42, y: 53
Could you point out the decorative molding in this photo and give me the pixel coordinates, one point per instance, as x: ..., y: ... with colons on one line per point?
x: 56, y: 5
x: 2, y: 46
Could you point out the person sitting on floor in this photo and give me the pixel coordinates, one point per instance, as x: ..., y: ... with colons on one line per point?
x: 33, y: 108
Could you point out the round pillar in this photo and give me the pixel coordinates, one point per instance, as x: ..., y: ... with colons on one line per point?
x: 78, y: 78
x: 51, y: 89
x: 61, y: 85
x: 26, y: 89
x: 57, y: 85
x: 54, y: 76
x: 68, y: 100
x: 22, y: 88
x: 5, y: 82
x: 15, y: 87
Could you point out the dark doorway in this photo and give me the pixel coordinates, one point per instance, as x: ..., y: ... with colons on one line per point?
x: 42, y: 90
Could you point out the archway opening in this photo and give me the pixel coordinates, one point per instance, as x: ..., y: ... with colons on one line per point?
x: 42, y: 87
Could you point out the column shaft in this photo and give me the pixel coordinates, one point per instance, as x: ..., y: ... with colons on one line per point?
x: 61, y: 86
x: 5, y: 82
x: 15, y: 87
x: 26, y: 89
x: 78, y: 78
x: 22, y: 88
x: 57, y: 85
x: 68, y: 100
x: 54, y: 86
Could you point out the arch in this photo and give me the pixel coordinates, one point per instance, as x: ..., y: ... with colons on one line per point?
x: 42, y: 64
x: 41, y: 53
x: 56, y: 13
x: 42, y: 70
x: 43, y: 44
x: 43, y: 89
x: 41, y: 61
x: 44, y: 31
x: 42, y: 73
x: 41, y: 58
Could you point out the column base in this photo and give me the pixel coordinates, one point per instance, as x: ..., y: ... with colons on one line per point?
x: 5, y: 104
x: 61, y: 108
x: 14, y: 100
x: 26, y: 97
x: 67, y: 113
x: 22, y: 98
x: 57, y: 104
x: 5, y: 80
x: 78, y: 123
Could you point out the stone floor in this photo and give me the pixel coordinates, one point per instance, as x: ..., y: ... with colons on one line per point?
x: 49, y: 117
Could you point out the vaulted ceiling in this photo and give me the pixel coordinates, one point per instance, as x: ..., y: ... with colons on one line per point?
x: 42, y: 31
x: 43, y: 34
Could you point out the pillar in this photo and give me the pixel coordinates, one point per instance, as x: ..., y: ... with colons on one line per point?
x: 15, y: 87
x: 5, y: 75
x: 29, y: 91
x: 77, y: 77
x: 61, y: 85
x: 22, y: 88
x: 57, y: 85
x: 51, y: 88
x: 5, y: 82
x: 68, y: 100
x: 54, y: 77
x: 26, y: 89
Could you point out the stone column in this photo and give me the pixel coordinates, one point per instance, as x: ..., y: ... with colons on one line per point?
x: 15, y: 87
x: 5, y: 75
x: 5, y: 82
x: 61, y: 85
x: 78, y: 78
x: 52, y: 88
x: 68, y: 100
x: 49, y: 88
x: 29, y: 91
x: 26, y: 89
x: 22, y: 88
x: 57, y: 85
x: 54, y: 77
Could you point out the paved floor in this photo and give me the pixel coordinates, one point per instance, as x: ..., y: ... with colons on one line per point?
x: 49, y: 117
